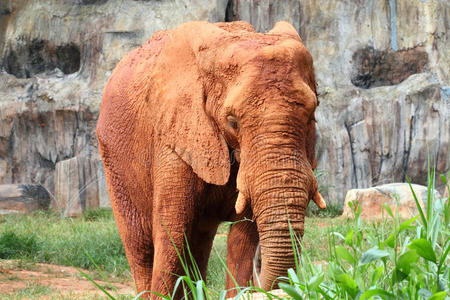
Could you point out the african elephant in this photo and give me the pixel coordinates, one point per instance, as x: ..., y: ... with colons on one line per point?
x: 207, y: 123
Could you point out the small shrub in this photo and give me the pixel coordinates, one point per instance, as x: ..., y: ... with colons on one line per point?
x: 13, y: 245
x: 332, y: 210
x: 97, y: 214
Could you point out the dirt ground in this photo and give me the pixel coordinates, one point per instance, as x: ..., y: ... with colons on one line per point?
x: 20, y: 280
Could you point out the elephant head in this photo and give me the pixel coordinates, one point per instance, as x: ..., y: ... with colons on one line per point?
x: 228, y: 90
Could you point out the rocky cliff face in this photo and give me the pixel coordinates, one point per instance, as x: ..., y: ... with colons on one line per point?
x: 383, y: 75
x: 382, y: 71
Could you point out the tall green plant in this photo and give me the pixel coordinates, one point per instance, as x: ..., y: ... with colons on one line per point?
x: 405, y: 260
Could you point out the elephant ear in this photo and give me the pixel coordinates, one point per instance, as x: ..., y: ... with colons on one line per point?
x: 285, y: 28
x: 178, y: 107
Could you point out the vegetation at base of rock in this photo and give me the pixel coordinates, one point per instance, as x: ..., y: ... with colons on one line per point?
x: 408, y: 261
x: 332, y: 210
x: 383, y: 258
x: 47, y: 238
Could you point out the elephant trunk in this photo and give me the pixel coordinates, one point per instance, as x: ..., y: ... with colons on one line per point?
x: 286, y: 210
x: 279, y: 198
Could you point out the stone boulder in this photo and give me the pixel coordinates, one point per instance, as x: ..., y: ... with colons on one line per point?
x: 23, y: 198
x: 372, y: 199
x: 79, y: 185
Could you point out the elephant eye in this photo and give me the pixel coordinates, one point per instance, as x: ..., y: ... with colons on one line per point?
x: 232, y: 122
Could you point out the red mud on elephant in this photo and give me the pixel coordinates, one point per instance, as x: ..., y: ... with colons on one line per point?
x: 209, y: 123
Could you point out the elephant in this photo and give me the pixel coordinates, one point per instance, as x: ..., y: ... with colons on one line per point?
x: 206, y: 123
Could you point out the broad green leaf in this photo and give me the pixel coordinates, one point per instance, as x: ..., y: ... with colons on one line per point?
x: 443, y: 178
x: 376, y: 275
x: 405, y: 225
x: 371, y: 255
x: 398, y: 275
x: 376, y: 292
x: 349, y: 238
x: 348, y: 284
x: 343, y: 253
x: 333, y: 269
x: 424, y: 249
x: 406, y: 259
x: 390, y: 241
x: 293, y: 276
x: 290, y: 290
x: 315, y: 281
x: 438, y: 296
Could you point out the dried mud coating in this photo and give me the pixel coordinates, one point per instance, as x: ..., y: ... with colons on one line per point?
x: 175, y: 114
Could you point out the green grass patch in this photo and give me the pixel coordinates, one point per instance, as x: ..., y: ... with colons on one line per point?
x: 46, y: 238
x: 32, y: 291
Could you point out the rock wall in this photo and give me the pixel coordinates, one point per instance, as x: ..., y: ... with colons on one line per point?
x: 55, y: 58
x: 382, y: 71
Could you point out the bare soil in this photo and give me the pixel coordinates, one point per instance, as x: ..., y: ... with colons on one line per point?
x: 61, y: 280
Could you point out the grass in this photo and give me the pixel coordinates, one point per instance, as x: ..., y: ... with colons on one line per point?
x: 32, y: 291
x: 341, y: 258
x: 46, y: 238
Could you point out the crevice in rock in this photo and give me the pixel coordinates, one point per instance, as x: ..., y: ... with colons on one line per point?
x: 11, y: 152
x: 352, y: 153
x: 231, y: 13
x: 89, y: 2
x: 380, y: 166
x: 393, y: 23
x: 45, y: 163
x: 28, y: 58
x: 407, y: 148
x: 373, y: 68
x: 75, y: 134
x: 4, y: 11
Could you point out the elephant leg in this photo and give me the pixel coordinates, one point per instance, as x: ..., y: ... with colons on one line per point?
x: 241, y: 247
x: 139, y: 251
x: 201, y: 242
x: 175, y: 190
x: 134, y: 229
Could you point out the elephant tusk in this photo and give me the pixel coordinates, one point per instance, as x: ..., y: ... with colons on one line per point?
x: 241, y: 202
x: 319, y: 200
